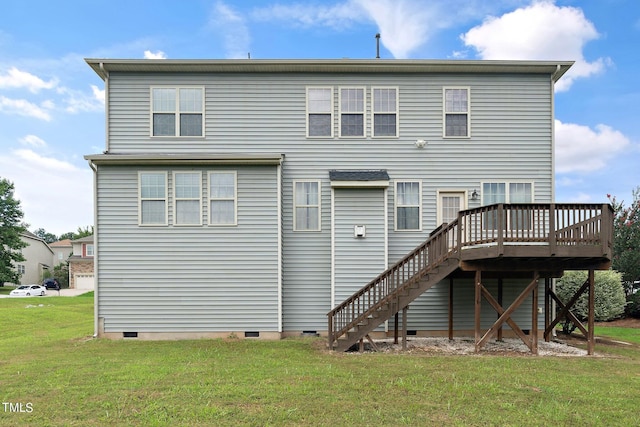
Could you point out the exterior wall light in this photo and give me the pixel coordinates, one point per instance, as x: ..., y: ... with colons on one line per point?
x: 420, y: 143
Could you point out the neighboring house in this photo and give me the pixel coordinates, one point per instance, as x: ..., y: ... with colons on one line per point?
x: 37, y: 255
x: 253, y: 196
x: 62, y: 250
x: 81, y: 269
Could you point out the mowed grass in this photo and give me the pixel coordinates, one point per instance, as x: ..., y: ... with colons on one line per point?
x: 49, y: 360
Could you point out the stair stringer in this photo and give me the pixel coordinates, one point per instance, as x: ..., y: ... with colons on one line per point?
x: 396, y: 301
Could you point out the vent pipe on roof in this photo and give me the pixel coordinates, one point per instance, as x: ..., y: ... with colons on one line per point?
x: 378, y: 46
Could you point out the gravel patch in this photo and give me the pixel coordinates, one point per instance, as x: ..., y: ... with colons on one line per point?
x: 457, y: 346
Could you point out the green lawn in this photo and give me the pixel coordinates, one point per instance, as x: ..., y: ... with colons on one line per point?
x: 49, y: 361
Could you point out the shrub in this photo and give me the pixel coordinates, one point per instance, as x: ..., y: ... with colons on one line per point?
x: 609, y: 295
x: 633, y: 305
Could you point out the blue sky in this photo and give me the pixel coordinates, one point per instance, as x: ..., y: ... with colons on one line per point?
x: 52, y: 104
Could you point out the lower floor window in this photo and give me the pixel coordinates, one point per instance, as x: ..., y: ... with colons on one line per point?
x: 306, y: 199
x: 408, y: 206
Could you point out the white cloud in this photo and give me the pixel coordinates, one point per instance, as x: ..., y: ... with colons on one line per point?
x: 98, y: 94
x: 231, y: 26
x: 581, y: 149
x: 25, y: 108
x: 33, y: 141
x: 17, y: 79
x: 336, y: 16
x: 154, y: 55
x: 76, y: 101
x: 54, y: 194
x: 540, y: 31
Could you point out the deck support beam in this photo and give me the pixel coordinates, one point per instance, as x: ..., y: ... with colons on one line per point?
x: 505, y: 315
x: 450, y: 308
x: 565, y: 311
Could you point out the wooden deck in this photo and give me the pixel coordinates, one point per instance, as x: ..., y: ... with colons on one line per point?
x: 537, y: 241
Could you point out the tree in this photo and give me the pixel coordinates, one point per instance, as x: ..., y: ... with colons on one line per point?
x: 79, y: 234
x: 626, y: 240
x: 44, y: 235
x: 11, y: 227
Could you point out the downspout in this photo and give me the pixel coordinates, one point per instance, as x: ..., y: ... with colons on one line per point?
x: 95, y: 249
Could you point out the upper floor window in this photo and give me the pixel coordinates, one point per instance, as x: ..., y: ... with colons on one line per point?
x: 385, y: 111
x: 351, y: 111
x: 408, y: 205
x: 223, y: 198
x: 456, y: 112
x: 187, y: 194
x: 320, y: 111
x: 88, y: 250
x: 177, y: 111
x: 306, y: 206
x: 20, y: 269
x: 153, y: 198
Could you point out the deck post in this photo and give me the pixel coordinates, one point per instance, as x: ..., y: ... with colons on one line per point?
x: 404, y: 328
x: 450, y: 308
x: 395, y: 329
x: 500, y: 289
x: 547, y: 307
x: 478, y: 298
x: 590, y: 326
x: 534, y: 316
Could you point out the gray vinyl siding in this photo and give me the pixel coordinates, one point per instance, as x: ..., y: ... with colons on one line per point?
x: 358, y: 260
x: 511, y: 140
x: 188, y: 278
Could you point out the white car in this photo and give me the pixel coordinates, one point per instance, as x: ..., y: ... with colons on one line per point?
x: 28, y: 290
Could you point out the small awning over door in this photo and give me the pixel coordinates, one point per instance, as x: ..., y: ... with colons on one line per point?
x: 359, y: 178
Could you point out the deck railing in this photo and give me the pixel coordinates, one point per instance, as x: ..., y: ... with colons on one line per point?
x: 552, y: 224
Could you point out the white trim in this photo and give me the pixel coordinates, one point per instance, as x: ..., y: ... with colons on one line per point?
x: 444, y: 112
x: 176, y: 111
x: 166, y: 198
x: 235, y: 197
x: 330, y: 112
x: 295, y: 224
x: 396, y: 112
x: 333, y: 249
x: 395, y: 204
x: 176, y: 199
x: 363, y: 112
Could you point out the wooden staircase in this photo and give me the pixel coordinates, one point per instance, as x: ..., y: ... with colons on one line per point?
x: 502, y: 237
x: 394, y: 289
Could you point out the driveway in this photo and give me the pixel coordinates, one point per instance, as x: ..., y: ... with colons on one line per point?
x: 54, y: 293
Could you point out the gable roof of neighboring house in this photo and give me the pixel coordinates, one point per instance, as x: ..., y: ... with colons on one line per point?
x: 30, y: 235
x: 66, y: 243
x: 87, y: 239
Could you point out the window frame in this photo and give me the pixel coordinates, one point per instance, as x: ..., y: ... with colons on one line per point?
x: 330, y: 112
x: 165, y: 199
x: 177, y: 199
x: 176, y: 112
x: 211, y: 199
x: 397, y: 205
x: 362, y: 112
x: 296, y: 228
x: 445, y: 112
x: 396, y: 112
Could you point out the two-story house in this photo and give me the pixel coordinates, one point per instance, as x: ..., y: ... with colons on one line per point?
x: 37, y: 259
x: 251, y: 197
x: 81, y: 265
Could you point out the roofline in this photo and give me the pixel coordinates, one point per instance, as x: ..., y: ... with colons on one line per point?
x: 105, y: 66
x: 185, y: 159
